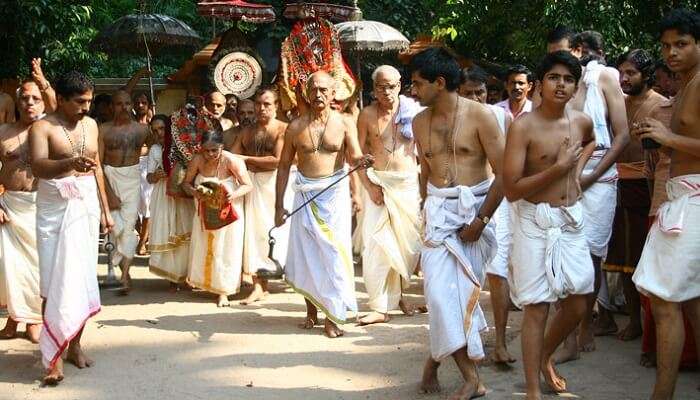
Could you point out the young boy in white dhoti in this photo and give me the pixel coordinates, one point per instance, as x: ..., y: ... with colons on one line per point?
x: 669, y: 268
x: 544, y: 158
x: 458, y: 140
x: 65, y: 158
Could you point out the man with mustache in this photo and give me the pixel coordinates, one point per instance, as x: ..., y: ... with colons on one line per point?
x: 215, y: 103
x: 630, y: 224
x: 319, y: 264
x: 518, y: 84
x: 66, y: 161
x: 245, y: 113
x: 19, y: 266
x: 121, y: 141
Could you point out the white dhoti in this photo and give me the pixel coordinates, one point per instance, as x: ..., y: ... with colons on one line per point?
x: 171, y: 227
x: 67, y: 233
x: 392, y: 233
x: 504, y: 237
x: 454, y: 270
x: 319, y: 264
x: 126, y: 184
x: 670, y: 264
x: 146, y: 189
x: 19, y: 262
x: 550, y: 255
x: 259, y: 219
x: 599, y: 202
x: 216, y: 256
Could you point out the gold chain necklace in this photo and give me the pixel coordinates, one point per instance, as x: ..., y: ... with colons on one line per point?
x: 74, y: 149
x: 316, y: 146
x: 449, y: 147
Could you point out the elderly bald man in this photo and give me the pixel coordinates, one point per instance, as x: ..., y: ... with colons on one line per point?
x: 319, y: 264
x: 215, y: 103
x: 391, y: 202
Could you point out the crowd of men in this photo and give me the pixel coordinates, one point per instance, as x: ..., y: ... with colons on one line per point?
x: 599, y: 163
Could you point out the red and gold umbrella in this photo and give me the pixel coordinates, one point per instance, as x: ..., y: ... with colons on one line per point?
x: 236, y: 10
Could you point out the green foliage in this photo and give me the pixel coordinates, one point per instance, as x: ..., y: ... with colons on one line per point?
x: 496, y: 31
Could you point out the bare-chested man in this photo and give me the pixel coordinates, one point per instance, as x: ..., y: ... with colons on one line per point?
x: 319, y: 264
x: 19, y: 266
x: 121, y: 141
x: 600, y: 97
x: 518, y: 84
x: 246, y: 118
x: 669, y: 269
x: 260, y: 145
x: 391, y: 224
x: 473, y: 87
x: 215, y: 103
x: 631, y: 222
x: 458, y: 140
x: 543, y: 161
x: 65, y: 158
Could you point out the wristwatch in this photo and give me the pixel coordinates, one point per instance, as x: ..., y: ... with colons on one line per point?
x: 485, y: 220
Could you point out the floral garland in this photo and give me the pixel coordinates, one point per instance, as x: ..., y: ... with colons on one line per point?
x: 186, y: 133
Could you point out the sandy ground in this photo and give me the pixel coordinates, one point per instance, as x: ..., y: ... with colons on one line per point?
x: 157, y: 345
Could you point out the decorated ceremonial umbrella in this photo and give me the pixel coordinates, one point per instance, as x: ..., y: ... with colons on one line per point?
x: 146, y: 33
x: 369, y: 36
x: 236, y: 10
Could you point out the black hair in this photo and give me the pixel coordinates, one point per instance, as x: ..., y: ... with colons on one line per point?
x: 139, y: 94
x: 642, y: 61
x: 594, y: 41
x: 266, y: 89
x: 561, y: 32
x: 434, y: 62
x: 561, y: 57
x: 213, y: 135
x: 161, y: 117
x: 73, y: 83
x: 102, y: 98
x: 519, y: 69
x: 475, y: 74
x: 683, y: 20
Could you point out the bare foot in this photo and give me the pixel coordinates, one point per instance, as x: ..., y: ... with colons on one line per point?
x: 75, y: 356
x: 142, y: 251
x: 55, y: 374
x: 33, y: 332
x: 648, y: 360
x: 567, y: 352
x: 309, y: 322
x: 373, y: 318
x: 256, y: 295
x: 586, y: 341
x: 125, y: 288
x: 173, y: 288
x: 10, y: 330
x: 501, y: 356
x: 469, y: 391
x: 604, y: 326
x: 407, y: 308
x: 332, y: 330
x: 555, y: 381
x: 223, y: 301
x: 631, y: 332
x: 430, y: 384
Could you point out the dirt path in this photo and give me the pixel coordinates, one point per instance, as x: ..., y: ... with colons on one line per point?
x: 156, y: 345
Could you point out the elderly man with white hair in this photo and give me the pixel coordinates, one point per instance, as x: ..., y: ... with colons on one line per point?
x: 391, y: 222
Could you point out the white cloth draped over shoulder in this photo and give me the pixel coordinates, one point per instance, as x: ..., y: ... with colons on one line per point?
x: 453, y: 270
x: 216, y: 256
x: 171, y: 227
x: 19, y: 262
x: 499, y: 265
x: 550, y: 255
x: 126, y: 184
x: 599, y: 199
x: 669, y: 267
x: 259, y: 219
x: 319, y: 264
x: 392, y: 233
x: 67, y: 233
